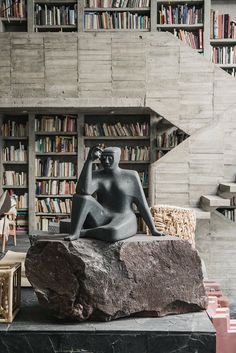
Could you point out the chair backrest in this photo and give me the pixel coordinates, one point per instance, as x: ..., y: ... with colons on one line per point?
x: 5, y: 202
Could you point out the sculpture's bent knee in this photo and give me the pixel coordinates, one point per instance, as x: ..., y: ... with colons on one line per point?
x: 83, y: 197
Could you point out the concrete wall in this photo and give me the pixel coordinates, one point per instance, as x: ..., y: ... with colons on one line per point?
x: 148, y: 70
x: 156, y: 71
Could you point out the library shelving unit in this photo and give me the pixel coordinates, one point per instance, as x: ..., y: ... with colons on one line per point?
x: 13, y: 16
x: 229, y: 211
x: 168, y: 137
x: 117, y: 15
x: 55, y: 147
x: 14, y: 164
x: 132, y: 133
x: 185, y: 19
x: 54, y: 15
x: 56, y: 166
x: 223, y: 35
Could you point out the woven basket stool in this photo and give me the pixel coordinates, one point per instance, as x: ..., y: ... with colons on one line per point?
x: 176, y: 221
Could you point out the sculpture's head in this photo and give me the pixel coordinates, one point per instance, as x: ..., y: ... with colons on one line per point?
x: 110, y: 157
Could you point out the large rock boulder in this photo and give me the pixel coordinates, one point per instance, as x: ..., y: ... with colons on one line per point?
x: 95, y: 280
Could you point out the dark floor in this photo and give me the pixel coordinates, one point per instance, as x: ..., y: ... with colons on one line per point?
x: 23, y: 245
x: 35, y: 331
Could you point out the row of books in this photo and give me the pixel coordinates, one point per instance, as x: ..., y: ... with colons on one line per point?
x: 11, y: 177
x: 115, y: 130
x: 42, y: 223
x: 56, y: 144
x: 180, y: 14
x: 54, y: 168
x: 160, y: 154
x: 15, y: 154
x: 194, y: 40
x: 22, y: 221
x: 49, y: 205
x: 13, y: 8
x: 12, y: 128
x: 117, y: 20
x: 21, y: 200
x: 233, y: 201
x: 59, y: 123
x: 231, y: 71
x: 130, y: 153
x: 171, y: 138
x: 55, y: 187
x: 117, y: 3
x: 137, y: 153
x: 223, y: 55
x: 142, y: 228
x: 222, y: 26
x: 144, y: 178
x: 48, y: 15
x: 229, y: 213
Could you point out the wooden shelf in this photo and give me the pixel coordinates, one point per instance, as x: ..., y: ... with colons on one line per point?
x: 55, y: 178
x: 223, y: 41
x: 14, y: 186
x: 117, y: 9
x: 127, y: 162
x: 55, y: 26
x: 226, y: 66
x: 13, y: 138
x: 176, y: 26
x: 14, y: 162
x: 117, y: 30
x: 45, y: 214
x: 53, y: 196
x: 56, y: 154
x: 22, y: 209
x: 117, y: 137
x: 13, y: 19
x: 55, y: 133
x: 174, y: 2
x: 55, y: 2
x: 164, y: 148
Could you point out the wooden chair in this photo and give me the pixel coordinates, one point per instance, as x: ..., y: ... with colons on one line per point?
x: 9, y: 220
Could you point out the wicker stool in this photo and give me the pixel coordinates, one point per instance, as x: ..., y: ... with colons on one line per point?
x: 176, y: 221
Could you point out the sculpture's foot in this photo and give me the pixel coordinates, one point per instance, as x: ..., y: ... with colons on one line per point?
x: 71, y: 237
x: 158, y: 234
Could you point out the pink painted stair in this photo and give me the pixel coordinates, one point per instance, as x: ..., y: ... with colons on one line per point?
x: 219, y: 313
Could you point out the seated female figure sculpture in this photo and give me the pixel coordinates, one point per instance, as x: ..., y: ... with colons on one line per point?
x: 110, y: 215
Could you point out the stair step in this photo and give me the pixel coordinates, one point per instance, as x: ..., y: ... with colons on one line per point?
x: 200, y: 213
x: 211, y: 202
x: 228, y: 187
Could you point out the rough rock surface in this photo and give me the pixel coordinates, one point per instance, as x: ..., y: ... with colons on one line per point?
x: 93, y: 280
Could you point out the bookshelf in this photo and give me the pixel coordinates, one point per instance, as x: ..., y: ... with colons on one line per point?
x: 54, y: 16
x: 229, y: 211
x: 184, y: 19
x: 13, y: 16
x: 14, y: 164
x: 168, y: 137
x: 223, y: 35
x: 55, y: 147
x: 56, y: 166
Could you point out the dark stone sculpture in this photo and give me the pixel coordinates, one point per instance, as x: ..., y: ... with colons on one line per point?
x: 110, y: 215
x: 90, y: 279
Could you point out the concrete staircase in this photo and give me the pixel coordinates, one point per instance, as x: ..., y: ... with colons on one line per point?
x: 226, y: 191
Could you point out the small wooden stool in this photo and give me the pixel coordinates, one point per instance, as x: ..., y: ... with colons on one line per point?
x: 10, y: 291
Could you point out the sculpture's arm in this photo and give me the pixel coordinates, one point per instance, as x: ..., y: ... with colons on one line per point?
x: 87, y: 184
x: 142, y: 206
